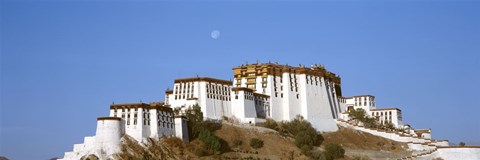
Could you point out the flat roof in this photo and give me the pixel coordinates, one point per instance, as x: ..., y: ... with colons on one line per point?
x: 109, y: 118
x: 152, y: 105
x: 242, y: 89
x: 205, y: 79
x: 362, y: 95
x: 384, y: 109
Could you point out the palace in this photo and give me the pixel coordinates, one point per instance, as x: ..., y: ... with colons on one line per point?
x: 258, y: 91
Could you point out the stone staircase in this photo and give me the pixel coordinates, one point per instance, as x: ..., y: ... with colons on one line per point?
x: 423, y: 146
x: 81, y: 149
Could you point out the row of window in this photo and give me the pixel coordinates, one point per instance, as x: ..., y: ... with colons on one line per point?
x: 183, y: 90
x: 310, y: 80
x: 247, y: 95
x: 381, y: 113
x: 169, y: 114
x: 165, y: 119
x: 363, y: 101
x: 219, y: 97
x: 384, y: 117
x: 219, y: 92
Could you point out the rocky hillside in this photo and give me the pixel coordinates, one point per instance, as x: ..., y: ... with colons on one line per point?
x: 235, y: 141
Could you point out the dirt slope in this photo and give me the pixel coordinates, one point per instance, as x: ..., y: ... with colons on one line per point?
x: 357, y: 143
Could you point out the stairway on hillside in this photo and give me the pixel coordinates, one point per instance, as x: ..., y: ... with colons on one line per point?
x: 425, y: 147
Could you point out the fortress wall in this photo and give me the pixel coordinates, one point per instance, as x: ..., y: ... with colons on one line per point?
x: 391, y: 136
x: 107, y: 138
x: 454, y: 153
x: 464, y: 153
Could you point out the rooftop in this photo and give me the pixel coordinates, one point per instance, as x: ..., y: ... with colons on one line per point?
x: 203, y: 79
x: 386, y: 109
x: 275, y: 68
x: 152, y: 105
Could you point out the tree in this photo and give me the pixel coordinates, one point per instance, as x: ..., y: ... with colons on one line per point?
x: 357, y: 114
x: 360, y: 116
x: 461, y: 144
x: 194, y: 116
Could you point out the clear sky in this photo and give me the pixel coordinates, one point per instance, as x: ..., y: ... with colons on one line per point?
x: 64, y: 63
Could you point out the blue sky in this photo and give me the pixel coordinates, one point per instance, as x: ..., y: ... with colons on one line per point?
x: 63, y: 63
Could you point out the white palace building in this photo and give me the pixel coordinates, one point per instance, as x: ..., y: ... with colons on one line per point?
x: 258, y: 91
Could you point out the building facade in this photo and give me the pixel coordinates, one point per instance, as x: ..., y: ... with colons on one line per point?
x: 143, y: 120
x: 311, y: 92
x: 367, y: 103
x: 213, y: 95
x: 137, y: 120
x: 258, y: 91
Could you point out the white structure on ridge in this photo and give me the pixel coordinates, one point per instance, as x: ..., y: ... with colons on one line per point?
x: 280, y: 92
x: 259, y: 91
x: 213, y: 95
x: 367, y: 103
x: 137, y: 120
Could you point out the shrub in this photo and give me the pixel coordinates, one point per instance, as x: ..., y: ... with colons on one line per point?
x: 320, y: 139
x: 210, y: 141
x: 211, y: 125
x: 270, y: 123
x: 303, y: 132
x: 196, y: 124
x: 306, y: 138
x: 334, y: 151
x: 256, y: 143
x: 306, y: 150
x: 461, y: 144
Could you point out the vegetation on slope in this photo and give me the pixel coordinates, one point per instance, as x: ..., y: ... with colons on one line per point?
x: 360, y: 116
x: 296, y: 139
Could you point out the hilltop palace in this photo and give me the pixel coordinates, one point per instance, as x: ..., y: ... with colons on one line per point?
x: 258, y: 91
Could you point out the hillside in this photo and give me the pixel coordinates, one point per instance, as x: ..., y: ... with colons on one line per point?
x: 235, y: 145
x: 357, y: 143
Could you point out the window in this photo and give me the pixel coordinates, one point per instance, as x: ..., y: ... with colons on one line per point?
x: 298, y: 96
x: 135, y: 118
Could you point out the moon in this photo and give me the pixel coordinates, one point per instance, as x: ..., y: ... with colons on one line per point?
x: 215, y: 34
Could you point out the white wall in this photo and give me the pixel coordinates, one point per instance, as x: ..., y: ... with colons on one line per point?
x: 104, y: 144
x: 243, y: 105
x: 214, y: 102
x: 459, y: 153
x: 181, y: 130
